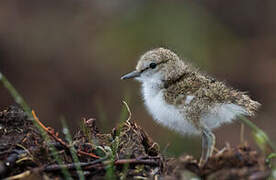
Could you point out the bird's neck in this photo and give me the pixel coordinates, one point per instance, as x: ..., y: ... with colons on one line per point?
x: 175, y: 73
x: 150, y: 89
x: 174, y: 80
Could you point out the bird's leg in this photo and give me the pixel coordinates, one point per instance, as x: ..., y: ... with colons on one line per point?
x: 204, y: 150
x: 208, y: 144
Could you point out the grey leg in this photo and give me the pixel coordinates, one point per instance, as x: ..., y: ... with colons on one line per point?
x: 208, y: 144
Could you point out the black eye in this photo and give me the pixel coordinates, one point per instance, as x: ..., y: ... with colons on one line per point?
x: 152, y: 65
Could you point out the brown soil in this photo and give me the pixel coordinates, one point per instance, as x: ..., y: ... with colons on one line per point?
x: 131, y: 152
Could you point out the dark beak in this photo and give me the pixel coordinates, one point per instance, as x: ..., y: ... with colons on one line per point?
x: 131, y: 75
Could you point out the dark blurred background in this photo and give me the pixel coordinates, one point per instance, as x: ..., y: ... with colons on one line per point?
x: 66, y: 57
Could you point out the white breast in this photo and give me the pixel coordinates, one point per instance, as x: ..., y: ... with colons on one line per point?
x: 164, y: 113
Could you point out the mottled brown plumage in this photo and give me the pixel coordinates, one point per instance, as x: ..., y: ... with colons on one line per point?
x: 207, y: 90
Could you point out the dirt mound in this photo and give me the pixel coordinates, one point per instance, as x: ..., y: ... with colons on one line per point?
x: 127, y: 152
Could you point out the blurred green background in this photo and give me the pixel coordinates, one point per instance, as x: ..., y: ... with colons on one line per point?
x: 66, y: 57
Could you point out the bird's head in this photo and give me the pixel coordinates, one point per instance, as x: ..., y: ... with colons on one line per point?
x: 157, y: 66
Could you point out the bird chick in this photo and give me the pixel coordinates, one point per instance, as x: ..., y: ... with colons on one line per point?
x: 181, y: 98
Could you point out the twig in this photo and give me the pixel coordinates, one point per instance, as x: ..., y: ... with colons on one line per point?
x: 53, y: 134
x: 26, y: 150
x: 10, y: 161
x: 149, y: 157
x: 19, y: 176
x: 260, y: 132
x: 87, y: 154
x: 56, y: 167
x: 137, y: 161
x: 216, y: 150
x: 242, y: 134
x: 129, y: 112
x: 96, y: 163
x: 25, y: 159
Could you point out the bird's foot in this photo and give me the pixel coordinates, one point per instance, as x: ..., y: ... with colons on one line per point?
x: 202, y: 162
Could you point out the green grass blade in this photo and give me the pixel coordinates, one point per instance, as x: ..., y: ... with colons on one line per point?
x: 19, y: 100
x: 73, y: 152
x: 260, y: 136
x: 16, y: 96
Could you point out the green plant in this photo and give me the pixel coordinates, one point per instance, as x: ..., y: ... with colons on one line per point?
x: 73, y: 151
x: 19, y: 100
x: 260, y: 136
x: 110, y: 173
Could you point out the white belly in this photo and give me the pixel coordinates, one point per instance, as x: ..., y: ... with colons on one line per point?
x: 166, y: 114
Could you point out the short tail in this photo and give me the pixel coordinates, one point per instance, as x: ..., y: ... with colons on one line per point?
x: 251, y: 105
